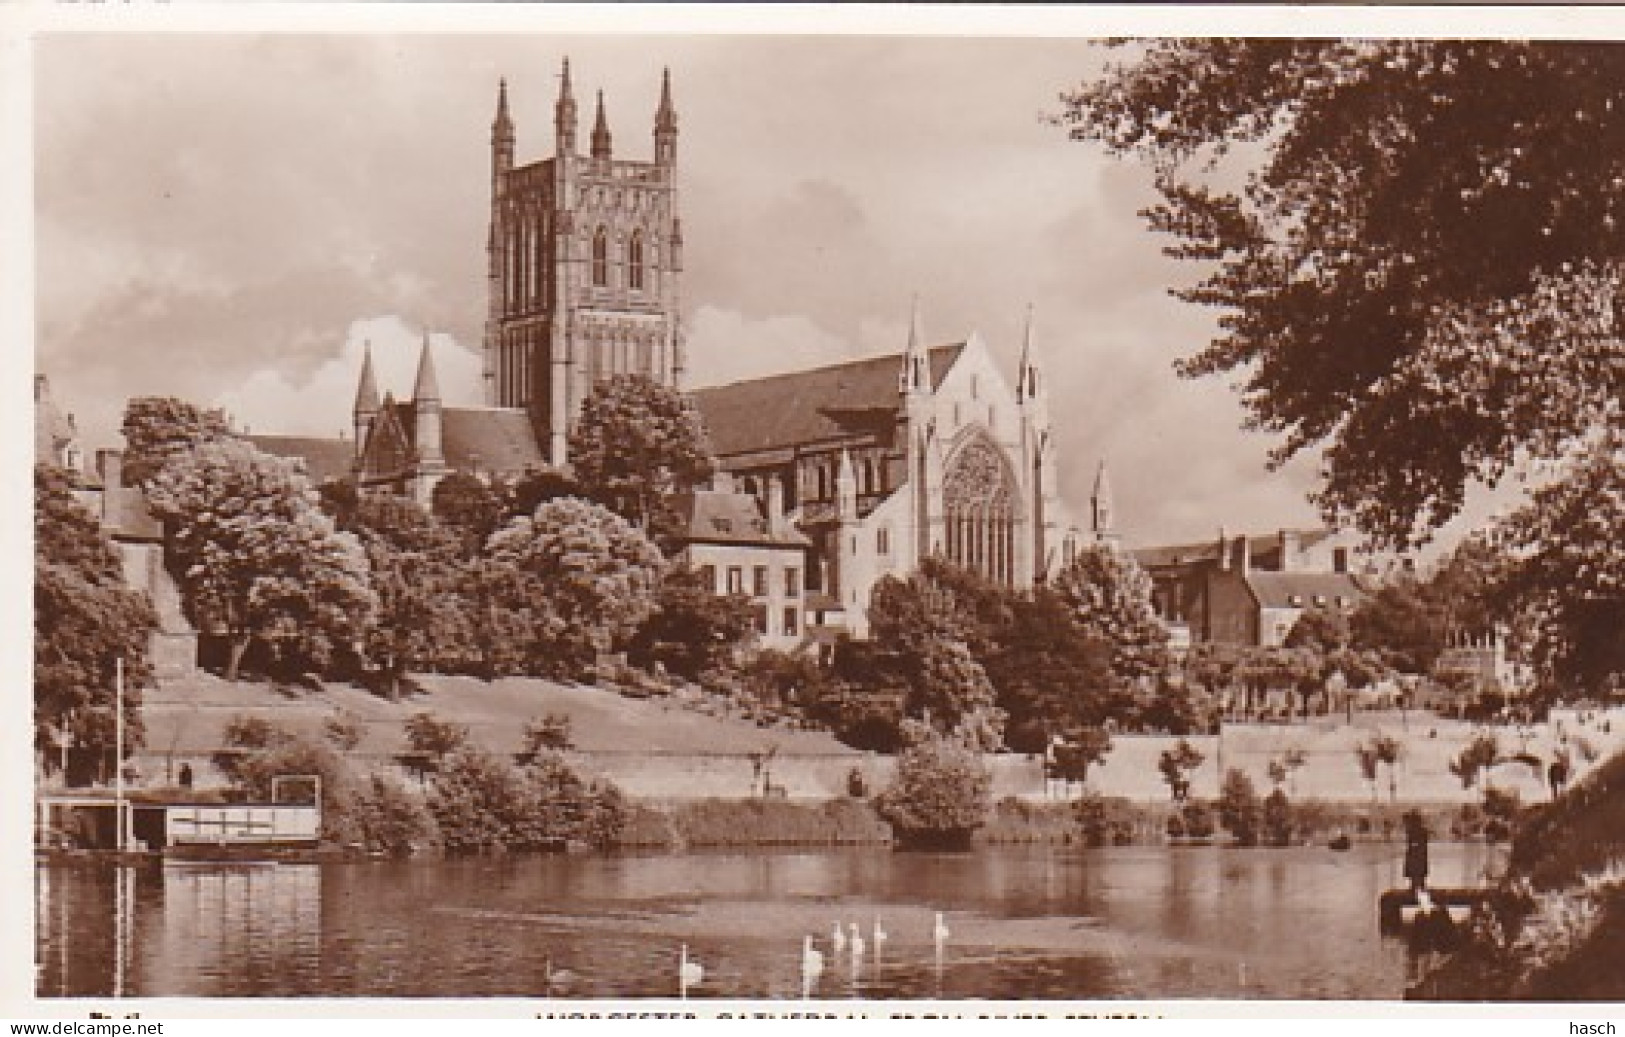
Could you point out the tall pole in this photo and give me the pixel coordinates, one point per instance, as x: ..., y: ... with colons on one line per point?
x: 118, y: 751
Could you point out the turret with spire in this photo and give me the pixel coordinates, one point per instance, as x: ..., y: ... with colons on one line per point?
x: 665, y: 125
x: 915, y: 377
x: 426, y: 410
x: 502, y: 138
x: 600, y: 133
x: 564, y: 115
x: 1103, y: 507
x: 365, y: 411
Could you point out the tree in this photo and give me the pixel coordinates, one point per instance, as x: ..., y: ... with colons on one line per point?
x: 86, y: 619
x: 418, y: 573
x: 472, y: 507
x: 1403, y: 624
x: 635, y: 445
x: 1177, y: 765
x: 256, y: 558
x: 692, y: 629
x: 434, y: 737
x: 1322, y: 629
x: 563, y: 586
x: 157, y: 429
x: 1050, y: 677
x: 1078, y: 750
x: 1414, y: 215
x: 1477, y: 757
x: 922, y: 634
x: 548, y: 734
x: 1239, y: 809
x: 1110, y: 596
x: 1564, y: 573
x: 942, y: 793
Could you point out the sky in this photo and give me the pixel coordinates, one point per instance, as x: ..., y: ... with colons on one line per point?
x: 228, y: 217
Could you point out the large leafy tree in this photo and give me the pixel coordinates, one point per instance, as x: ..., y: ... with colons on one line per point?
x: 1052, y: 678
x: 563, y: 586
x: 635, y: 445
x: 1110, y: 597
x: 158, y: 429
x: 258, y: 560
x: 692, y: 629
x: 86, y: 619
x: 1416, y: 245
x: 418, y: 574
x: 923, y: 635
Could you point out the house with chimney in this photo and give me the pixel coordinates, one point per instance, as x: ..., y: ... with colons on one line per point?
x: 1250, y: 589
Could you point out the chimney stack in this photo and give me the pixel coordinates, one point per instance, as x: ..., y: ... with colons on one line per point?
x: 1244, y: 554
x: 1291, y: 550
x: 110, y: 466
x: 775, y: 506
x: 1224, y: 551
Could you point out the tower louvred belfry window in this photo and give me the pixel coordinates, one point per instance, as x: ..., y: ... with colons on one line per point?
x: 634, y: 260
x: 600, y: 258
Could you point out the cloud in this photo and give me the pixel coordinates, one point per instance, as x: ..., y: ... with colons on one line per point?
x: 270, y: 401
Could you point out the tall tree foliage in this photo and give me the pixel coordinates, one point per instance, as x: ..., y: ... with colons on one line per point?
x: 923, y: 634
x: 635, y: 445
x: 86, y: 618
x: 258, y: 560
x: 1110, y: 596
x: 1419, y: 270
x: 559, y: 588
x: 158, y: 429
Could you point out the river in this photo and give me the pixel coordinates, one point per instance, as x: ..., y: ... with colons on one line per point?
x: 1024, y: 922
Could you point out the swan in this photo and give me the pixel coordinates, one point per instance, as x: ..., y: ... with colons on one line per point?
x: 689, y: 973
x: 940, y: 933
x: 857, y: 942
x: 812, y: 962
x: 556, y: 980
x: 879, y: 936
x: 837, y: 938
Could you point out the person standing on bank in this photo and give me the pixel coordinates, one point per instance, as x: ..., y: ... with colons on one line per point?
x: 1416, y: 850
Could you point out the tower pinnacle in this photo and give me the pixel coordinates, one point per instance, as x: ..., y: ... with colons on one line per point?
x: 665, y: 124
x: 502, y: 126
x: 916, y: 374
x: 428, y: 385
x: 1103, y: 505
x: 600, y: 131
x: 564, y: 114
x: 366, y: 393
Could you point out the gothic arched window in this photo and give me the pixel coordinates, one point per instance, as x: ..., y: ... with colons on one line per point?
x: 634, y: 260
x: 979, y: 502
x: 600, y: 258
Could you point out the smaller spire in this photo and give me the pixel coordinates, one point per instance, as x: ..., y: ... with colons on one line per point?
x: 1027, y: 376
x: 428, y: 385
x: 916, y: 373
x: 600, y: 131
x: 502, y: 126
x: 564, y: 114
x: 666, y: 114
x: 366, y: 393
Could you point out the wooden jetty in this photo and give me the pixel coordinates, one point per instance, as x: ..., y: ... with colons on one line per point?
x: 1397, y: 908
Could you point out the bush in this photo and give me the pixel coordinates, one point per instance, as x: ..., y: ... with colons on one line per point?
x: 482, y: 803
x: 1105, y: 821
x: 1197, y: 817
x: 1277, y: 819
x: 390, y: 820
x: 775, y: 822
x: 1239, y: 807
x: 548, y: 734
x: 436, y: 738
x: 942, y: 793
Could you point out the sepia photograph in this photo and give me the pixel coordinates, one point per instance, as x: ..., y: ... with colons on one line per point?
x: 825, y: 516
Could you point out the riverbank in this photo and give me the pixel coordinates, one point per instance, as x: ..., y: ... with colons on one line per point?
x: 1555, y: 930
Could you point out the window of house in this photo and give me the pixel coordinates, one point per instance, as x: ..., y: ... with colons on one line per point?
x: 634, y: 260
x: 759, y: 581
x: 1320, y: 600
x: 600, y: 258
x: 792, y: 582
x: 1295, y: 600
x: 791, y: 625
x: 758, y: 618
x: 708, y: 576
x: 1340, y: 560
x: 736, y: 579
x: 883, y: 540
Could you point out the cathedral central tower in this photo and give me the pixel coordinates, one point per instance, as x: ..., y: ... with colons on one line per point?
x: 585, y: 260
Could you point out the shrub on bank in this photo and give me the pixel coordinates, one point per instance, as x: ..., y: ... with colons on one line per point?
x: 1022, y: 821
x: 482, y: 803
x: 941, y: 795
x: 752, y: 822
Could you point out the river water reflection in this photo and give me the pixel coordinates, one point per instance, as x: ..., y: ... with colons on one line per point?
x: 1042, y: 922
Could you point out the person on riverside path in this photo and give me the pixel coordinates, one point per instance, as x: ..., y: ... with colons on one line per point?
x: 1416, y: 850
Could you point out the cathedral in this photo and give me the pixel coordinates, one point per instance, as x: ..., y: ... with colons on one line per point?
x: 874, y: 464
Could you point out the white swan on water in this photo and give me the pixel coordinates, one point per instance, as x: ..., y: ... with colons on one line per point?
x: 812, y: 965
x: 939, y: 932
x: 857, y: 942
x: 879, y: 937
x: 837, y: 938
x: 689, y: 973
